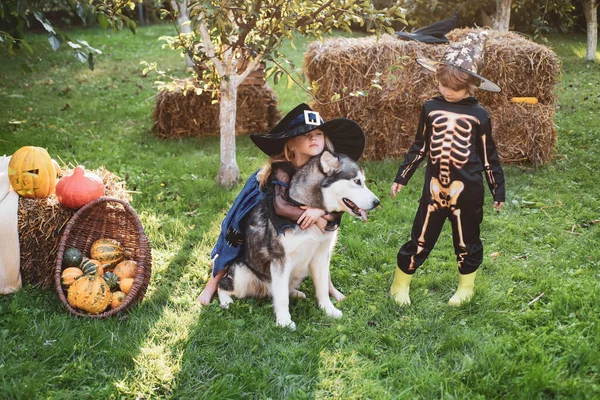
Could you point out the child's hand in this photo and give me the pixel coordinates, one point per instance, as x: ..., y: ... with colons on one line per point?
x: 309, y: 217
x: 396, y: 188
x: 498, y: 205
x: 321, y: 224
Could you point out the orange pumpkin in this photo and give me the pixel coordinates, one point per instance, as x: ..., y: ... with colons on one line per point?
x: 125, y: 284
x: 70, y: 275
x: 117, y: 299
x: 126, y: 269
x: 76, y: 190
x: 31, y: 173
x: 89, y: 293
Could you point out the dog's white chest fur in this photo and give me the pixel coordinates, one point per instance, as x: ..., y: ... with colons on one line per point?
x: 301, y: 247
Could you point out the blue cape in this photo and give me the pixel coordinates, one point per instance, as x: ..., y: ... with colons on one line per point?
x: 231, y: 239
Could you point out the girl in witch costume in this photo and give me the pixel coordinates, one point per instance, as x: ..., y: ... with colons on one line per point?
x: 455, y: 136
x: 298, y: 137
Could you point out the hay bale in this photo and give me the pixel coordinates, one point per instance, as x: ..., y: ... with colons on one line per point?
x: 390, y: 116
x: 41, y: 225
x: 179, y: 115
x: 524, y: 132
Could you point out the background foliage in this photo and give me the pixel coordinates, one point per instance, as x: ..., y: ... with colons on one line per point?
x: 527, y: 16
x: 532, y: 330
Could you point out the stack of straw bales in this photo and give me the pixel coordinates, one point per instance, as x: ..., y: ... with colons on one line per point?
x: 41, y: 225
x: 522, y: 68
x: 177, y: 115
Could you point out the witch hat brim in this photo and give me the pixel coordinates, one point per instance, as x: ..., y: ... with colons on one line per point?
x: 346, y: 135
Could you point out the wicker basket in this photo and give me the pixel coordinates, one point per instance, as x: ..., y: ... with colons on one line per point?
x: 107, y: 217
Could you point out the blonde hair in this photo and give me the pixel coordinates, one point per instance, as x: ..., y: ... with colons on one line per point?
x: 288, y: 154
x: 456, y: 79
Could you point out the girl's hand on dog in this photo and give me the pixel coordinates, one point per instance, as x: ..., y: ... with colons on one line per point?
x: 321, y: 224
x: 309, y: 217
x: 396, y: 188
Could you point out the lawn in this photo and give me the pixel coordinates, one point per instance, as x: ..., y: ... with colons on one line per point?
x: 503, y: 344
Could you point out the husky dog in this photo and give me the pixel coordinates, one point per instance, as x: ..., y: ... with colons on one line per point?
x: 275, y: 265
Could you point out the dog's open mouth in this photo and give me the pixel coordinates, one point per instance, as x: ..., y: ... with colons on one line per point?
x: 359, y: 212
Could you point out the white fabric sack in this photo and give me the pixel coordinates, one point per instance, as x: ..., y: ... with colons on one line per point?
x: 10, y: 274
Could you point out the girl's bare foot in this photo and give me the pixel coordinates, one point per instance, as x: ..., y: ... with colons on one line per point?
x: 210, y: 289
x: 207, y: 294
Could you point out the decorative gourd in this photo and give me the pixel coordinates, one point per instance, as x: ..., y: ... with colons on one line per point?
x: 78, y: 189
x: 108, y: 252
x: 117, y: 299
x: 92, y: 267
x: 126, y: 269
x: 72, y: 257
x: 112, y: 280
x: 89, y: 293
x: 125, y: 284
x: 70, y: 275
x: 31, y: 173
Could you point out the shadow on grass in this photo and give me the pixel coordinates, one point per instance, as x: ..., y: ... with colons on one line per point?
x: 57, y: 362
x: 237, y: 362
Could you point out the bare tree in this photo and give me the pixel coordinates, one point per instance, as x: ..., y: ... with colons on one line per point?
x: 501, y: 17
x: 228, y: 39
x: 590, y: 8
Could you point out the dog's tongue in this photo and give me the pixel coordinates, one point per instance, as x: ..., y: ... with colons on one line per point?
x: 363, y: 214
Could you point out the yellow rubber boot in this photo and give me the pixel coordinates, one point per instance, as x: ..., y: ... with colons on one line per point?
x: 464, y: 293
x: 400, y: 288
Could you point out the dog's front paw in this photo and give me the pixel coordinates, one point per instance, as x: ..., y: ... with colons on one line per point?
x: 335, y: 313
x: 332, y: 312
x: 287, y: 324
x: 225, y: 299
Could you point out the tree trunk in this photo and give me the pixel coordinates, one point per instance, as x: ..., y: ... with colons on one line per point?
x: 590, y: 8
x: 183, y: 16
x: 502, y: 15
x: 140, y: 10
x: 229, y: 172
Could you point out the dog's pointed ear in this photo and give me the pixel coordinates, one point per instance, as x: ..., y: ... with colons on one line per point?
x: 329, y: 162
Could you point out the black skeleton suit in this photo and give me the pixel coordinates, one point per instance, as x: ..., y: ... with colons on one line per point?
x: 457, y: 140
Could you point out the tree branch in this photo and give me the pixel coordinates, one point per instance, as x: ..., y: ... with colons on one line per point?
x: 209, y: 45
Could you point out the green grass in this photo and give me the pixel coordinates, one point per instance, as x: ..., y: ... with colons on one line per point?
x: 497, y: 346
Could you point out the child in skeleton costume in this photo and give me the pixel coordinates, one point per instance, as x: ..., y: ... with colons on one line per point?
x: 299, y: 136
x: 455, y: 136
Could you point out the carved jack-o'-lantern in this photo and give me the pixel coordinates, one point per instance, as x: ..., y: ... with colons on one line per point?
x: 31, y: 172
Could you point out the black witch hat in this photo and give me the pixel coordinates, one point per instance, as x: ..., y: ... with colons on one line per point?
x: 434, y: 33
x: 346, y: 135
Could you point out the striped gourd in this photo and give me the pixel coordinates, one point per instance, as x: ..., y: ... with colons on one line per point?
x: 112, y: 280
x: 108, y: 251
x: 92, y: 267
